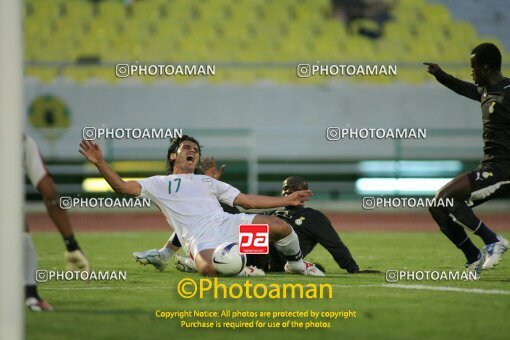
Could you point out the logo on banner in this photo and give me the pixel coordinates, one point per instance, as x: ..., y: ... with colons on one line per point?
x: 254, y: 239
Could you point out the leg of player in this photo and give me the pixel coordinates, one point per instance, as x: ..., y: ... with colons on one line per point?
x: 286, y: 241
x: 460, y: 190
x: 483, y: 184
x: 487, y: 183
x: 74, y: 257
x: 455, y: 233
x: 185, y: 264
x: 158, y: 258
x: 462, y: 216
x: 32, y: 299
x: 495, y: 245
x: 203, y: 262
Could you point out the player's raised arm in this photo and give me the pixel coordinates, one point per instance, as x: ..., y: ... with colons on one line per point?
x: 461, y: 87
x: 94, y: 155
x: 262, y: 202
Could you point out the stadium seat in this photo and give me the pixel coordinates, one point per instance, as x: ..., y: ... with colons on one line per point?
x: 245, y: 31
x: 44, y: 74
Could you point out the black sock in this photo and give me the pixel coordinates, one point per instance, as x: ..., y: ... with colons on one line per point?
x: 31, y: 291
x: 297, y: 257
x: 487, y: 235
x: 470, y: 250
x: 71, y: 243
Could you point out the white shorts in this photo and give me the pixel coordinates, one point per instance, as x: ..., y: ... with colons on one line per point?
x: 226, y: 231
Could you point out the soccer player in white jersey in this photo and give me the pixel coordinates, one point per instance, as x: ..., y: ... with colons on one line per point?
x: 75, y: 260
x: 190, y: 202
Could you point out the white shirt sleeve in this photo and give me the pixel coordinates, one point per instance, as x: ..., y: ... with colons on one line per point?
x: 32, y: 161
x: 148, y: 187
x: 225, y: 192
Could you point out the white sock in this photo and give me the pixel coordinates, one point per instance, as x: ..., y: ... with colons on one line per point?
x: 30, y: 260
x: 166, y: 253
x: 289, y: 246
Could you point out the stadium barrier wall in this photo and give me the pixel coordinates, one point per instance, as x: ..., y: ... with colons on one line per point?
x: 270, y: 121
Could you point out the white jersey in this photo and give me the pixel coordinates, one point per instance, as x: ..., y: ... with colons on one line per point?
x: 32, y: 161
x: 190, y: 203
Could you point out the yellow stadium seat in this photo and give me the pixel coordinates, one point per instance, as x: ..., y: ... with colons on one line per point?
x: 144, y: 11
x: 78, y: 74
x: 79, y: 10
x: 413, y: 76
x: 397, y: 31
x: 111, y: 8
x: 44, y: 74
x: 47, y: 9
x: 246, y: 31
x: 436, y: 14
x: 360, y: 49
x: 107, y: 73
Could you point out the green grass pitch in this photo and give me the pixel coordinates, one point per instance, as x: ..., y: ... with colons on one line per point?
x: 405, y: 310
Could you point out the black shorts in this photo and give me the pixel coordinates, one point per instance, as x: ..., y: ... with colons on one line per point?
x: 488, y: 181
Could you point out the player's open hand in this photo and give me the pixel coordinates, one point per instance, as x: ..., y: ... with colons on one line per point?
x: 91, y: 151
x: 209, y: 168
x: 432, y: 68
x: 299, y: 197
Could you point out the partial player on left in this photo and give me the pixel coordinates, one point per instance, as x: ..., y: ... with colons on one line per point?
x: 74, y: 257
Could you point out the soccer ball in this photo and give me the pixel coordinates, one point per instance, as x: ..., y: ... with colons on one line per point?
x: 227, y: 260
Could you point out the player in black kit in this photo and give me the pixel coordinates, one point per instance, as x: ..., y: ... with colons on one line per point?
x: 312, y: 228
x: 492, y: 176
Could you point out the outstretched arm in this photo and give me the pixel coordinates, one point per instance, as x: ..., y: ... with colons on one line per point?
x: 461, y: 87
x: 262, y: 202
x: 94, y: 155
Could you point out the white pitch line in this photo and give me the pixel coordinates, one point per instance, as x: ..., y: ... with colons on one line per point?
x: 444, y: 289
x: 102, y: 288
x: 394, y: 286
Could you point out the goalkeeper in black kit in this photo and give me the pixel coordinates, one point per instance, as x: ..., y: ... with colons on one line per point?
x: 492, y: 177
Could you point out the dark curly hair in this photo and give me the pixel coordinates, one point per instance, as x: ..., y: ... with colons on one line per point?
x: 174, y: 145
x: 488, y: 54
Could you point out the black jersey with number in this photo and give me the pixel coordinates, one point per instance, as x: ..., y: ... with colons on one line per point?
x: 495, y: 102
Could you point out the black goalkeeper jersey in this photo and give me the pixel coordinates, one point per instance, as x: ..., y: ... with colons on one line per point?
x: 314, y: 227
x: 495, y: 102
